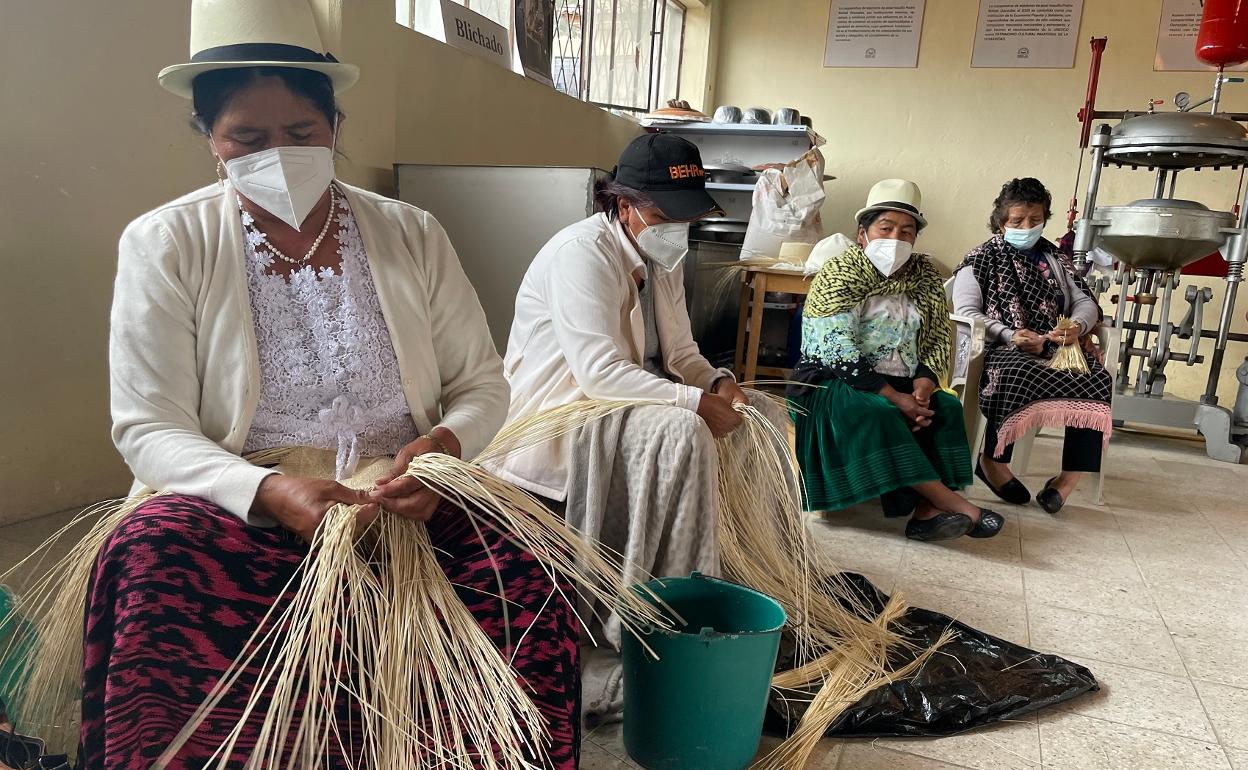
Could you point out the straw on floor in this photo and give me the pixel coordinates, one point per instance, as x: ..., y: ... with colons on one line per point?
x: 843, y: 645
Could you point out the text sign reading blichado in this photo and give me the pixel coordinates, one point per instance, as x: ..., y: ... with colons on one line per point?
x: 470, y: 31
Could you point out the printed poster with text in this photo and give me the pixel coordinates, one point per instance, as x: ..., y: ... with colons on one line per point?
x: 1176, y: 38
x: 874, y: 33
x: 1027, y: 33
x: 534, y: 22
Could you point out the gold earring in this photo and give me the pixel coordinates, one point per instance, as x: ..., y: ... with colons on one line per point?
x: 220, y: 172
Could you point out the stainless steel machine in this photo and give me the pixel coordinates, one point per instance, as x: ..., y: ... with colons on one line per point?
x: 1152, y: 241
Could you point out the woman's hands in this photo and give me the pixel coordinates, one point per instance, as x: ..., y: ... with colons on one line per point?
x: 727, y: 389
x: 724, y: 393
x: 1068, y: 336
x: 405, y: 496
x: 1028, y: 341
x: 299, y: 504
x: 719, y: 415
x: 917, y: 415
x: 923, y: 390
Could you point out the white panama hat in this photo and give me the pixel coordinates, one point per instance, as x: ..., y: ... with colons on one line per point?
x: 894, y: 195
x: 227, y: 34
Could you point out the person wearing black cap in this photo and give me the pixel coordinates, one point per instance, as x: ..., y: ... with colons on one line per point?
x: 601, y: 314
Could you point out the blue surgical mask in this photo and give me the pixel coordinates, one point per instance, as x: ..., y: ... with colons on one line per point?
x: 1023, y: 239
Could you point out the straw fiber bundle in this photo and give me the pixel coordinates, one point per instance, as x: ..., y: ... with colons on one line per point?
x: 47, y: 617
x: 369, y: 618
x: 1069, y: 357
x: 843, y: 644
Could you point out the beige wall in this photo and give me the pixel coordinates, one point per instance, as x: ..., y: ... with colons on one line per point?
x: 960, y: 132
x: 88, y: 141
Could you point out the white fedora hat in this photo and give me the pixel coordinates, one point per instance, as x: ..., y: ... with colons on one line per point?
x: 226, y: 34
x: 894, y: 195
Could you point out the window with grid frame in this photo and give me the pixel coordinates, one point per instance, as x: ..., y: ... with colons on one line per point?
x: 618, y: 54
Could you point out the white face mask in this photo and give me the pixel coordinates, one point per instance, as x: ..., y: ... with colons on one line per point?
x: 889, y: 255
x: 287, y: 182
x: 664, y: 244
x: 1023, y: 238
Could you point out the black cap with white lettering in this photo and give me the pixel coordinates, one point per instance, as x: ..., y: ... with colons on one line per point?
x: 669, y: 171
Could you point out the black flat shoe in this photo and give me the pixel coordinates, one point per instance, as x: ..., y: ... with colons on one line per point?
x: 1049, y: 498
x: 1013, y: 492
x: 900, y: 502
x: 989, y: 524
x: 942, y: 526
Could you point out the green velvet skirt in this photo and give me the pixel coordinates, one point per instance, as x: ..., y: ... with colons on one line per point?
x: 854, y: 446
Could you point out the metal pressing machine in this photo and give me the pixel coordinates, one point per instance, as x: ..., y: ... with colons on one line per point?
x: 1155, y: 242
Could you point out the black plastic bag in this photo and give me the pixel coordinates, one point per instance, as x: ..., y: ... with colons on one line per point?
x: 975, y: 680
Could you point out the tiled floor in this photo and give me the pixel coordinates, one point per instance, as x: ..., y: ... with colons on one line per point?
x: 1149, y: 591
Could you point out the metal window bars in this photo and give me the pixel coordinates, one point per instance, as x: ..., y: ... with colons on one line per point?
x: 610, y: 53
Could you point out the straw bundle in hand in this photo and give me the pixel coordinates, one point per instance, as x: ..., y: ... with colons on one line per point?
x: 373, y: 622
x: 433, y: 689
x: 1069, y: 357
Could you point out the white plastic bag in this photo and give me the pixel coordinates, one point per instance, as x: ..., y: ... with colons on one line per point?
x: 786, y: 207
x: 834, y: 245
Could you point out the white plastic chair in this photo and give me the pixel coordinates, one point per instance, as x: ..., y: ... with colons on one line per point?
x: 967, y: 365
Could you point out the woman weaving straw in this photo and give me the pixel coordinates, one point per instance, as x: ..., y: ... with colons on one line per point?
x: 601, y: 315
x: 1019, y: 284
x: 280, y: 307
x: 875, y: 342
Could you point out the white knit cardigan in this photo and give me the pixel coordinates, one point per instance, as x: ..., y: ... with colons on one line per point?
x: 182, y: 349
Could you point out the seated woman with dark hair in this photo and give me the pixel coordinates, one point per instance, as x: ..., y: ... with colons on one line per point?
x: 1019, y: 284
x: 873, y: 421
x: 281, y: 307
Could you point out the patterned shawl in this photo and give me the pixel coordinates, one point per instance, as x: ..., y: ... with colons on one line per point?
x: 1018, y: 291
x: 848, y: 279
x: 1018, y: 391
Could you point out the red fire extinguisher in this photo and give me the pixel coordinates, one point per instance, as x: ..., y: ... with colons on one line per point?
x: 1223, y: 37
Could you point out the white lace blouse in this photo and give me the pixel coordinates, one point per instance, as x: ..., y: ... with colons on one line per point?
x: 329, y: 378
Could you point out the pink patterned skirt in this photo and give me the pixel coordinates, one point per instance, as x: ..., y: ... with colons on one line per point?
x: 182, y: 584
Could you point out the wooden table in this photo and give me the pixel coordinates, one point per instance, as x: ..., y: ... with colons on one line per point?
x: 755, y: 283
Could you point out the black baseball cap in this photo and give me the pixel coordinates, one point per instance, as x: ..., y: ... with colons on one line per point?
x: 669, y: 171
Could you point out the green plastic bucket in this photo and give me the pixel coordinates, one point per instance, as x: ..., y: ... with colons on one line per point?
x: 12, y: 653
x: 700, y: 706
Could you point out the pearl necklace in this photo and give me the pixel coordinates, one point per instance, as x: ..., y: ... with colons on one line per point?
x: 329, y: 218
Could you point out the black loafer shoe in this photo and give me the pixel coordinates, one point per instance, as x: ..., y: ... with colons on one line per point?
x: 900, y: 502
x: 989, y: 524
x: 942, y: 526
x: 1013, y: 492
x: 1049, y: 498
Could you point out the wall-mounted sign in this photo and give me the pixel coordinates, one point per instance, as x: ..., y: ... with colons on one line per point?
x: 470, y: 31
x: 1176, y: 37
x: 1027, y: 33
x: 874, y: 33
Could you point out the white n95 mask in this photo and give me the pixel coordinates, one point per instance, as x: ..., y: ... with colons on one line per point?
x: 888, y: 254
x: 665, y: 244
x: 287, y: 182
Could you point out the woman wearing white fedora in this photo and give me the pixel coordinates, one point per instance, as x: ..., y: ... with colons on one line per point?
x: 279, y: 307
x: 875, y: 344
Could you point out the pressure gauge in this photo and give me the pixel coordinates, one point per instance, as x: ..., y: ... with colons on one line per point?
x: 1182, y: 99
